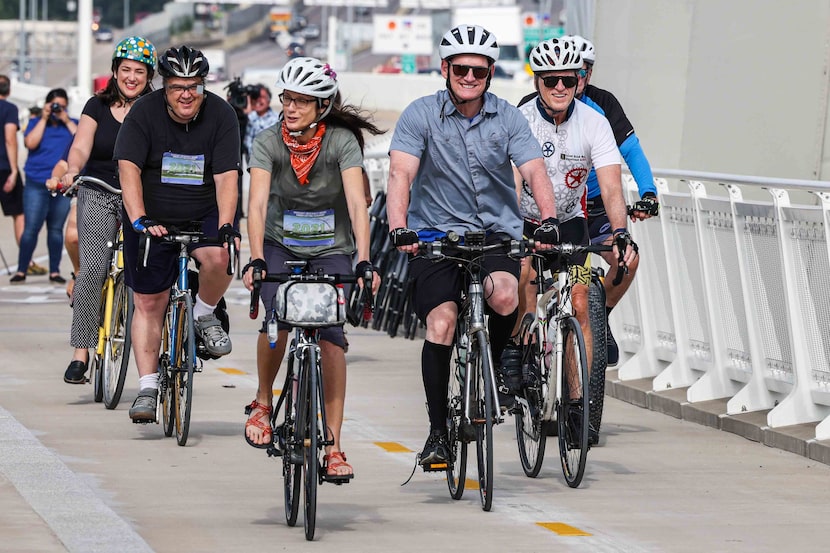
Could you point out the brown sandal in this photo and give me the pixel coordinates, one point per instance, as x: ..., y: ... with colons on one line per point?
x: 334, y: 461
x: 257, y: 412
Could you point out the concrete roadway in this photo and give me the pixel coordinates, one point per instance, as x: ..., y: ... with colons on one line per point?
x: 76, y: 477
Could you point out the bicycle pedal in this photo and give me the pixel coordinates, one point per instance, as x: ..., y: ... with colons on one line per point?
x: 273, y: 452
x: 339, y: 479
x: 436, y: 467
x: 143, y: 421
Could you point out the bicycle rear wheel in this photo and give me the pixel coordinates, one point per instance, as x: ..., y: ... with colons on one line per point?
x: 599, y: 325
x: 184, y: 366
x: 117, y: 347
x: 97, y: 367
x: 572, y: 416
x: 457, y: 466
x: 482, y: 407
x: 291, y: 472
x: 530, y: 429
x: 310, y: 443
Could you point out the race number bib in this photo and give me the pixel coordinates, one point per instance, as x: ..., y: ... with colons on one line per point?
x: 182, y: 169
x: 308, y: 228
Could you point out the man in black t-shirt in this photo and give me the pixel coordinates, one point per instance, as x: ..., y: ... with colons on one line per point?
x: 178, y: 156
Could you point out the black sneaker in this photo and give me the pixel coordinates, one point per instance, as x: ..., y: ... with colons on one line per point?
x: 436, y: 449
x: 613, y: 349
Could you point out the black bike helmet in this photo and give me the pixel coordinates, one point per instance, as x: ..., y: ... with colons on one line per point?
x: 183, y: 62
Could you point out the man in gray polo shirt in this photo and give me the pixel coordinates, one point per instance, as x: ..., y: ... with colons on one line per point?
x: 454, y: 149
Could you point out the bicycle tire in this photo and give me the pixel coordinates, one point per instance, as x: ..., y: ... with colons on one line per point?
x: 291, y: 472
x: 599, y: 325
x: 531, y: 436
x: 166, y: 401
x: 484, y: 408
x: 310, y: 444
x: 573, y: 445
x: 457, y: 467
x: 183, y: 376
x: 117, y: 347
x: 97, y: 378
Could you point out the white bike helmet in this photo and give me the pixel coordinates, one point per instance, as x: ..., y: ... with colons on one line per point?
x: 555, y: 54
x: 585, y: 47
x: 308, y: 76
x: 469, y: 39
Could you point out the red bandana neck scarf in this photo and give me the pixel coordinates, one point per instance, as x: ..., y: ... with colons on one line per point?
x: 303, y: 156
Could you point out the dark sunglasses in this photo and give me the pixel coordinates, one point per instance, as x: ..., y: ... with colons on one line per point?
x: 568, y: 81
x: 478, y: 71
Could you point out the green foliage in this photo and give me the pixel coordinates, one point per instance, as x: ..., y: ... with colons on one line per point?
x: 112, y: 11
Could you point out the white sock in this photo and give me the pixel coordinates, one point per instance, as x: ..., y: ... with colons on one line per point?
x: 149, y: 381
x: 201, y: 308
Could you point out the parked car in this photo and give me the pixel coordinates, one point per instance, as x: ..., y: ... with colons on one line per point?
x: 103, y: 34
x: 310, y: 31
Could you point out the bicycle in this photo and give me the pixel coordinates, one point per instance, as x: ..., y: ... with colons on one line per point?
x: 472, y: 393
x: 308, y: 302
x: 180, y: 348
x: 111, y: 358
x: 553, y: 358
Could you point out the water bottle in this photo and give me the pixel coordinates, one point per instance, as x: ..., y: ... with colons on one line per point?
x: 272, y: 329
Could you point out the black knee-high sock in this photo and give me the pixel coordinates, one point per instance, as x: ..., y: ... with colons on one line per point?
x: 435, y: 369
x: 500, y: 328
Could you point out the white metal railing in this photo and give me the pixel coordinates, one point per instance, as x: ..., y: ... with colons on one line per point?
x: 731, y: 299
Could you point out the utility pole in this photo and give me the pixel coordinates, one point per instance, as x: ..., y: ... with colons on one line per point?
x: 21, y: 54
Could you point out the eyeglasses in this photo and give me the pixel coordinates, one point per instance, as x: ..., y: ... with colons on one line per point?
x: 462, y: 70
x: 299, y: 102
x: 568, y: 81
x: 180, y: 89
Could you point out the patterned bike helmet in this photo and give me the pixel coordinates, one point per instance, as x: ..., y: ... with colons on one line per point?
x: 585, y: 47
x: 555, y: 54
x: 308, y: 76
x: 136, y: 48
x: 469, y: 39
x: 183, y: 62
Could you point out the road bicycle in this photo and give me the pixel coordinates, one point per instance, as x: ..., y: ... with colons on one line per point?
x: 554, y: 358
x: 181, y: 353
x: 472, y: 394
x: 308, y: 302
x: 111, y: 358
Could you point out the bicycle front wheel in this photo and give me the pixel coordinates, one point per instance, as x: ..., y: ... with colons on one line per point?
x: 482, y: 407
x: 183, y: 375
x: 117, y: 347
x: 530, y: 429
x: 599, y: 325
x: 167, y: 402
x: 310, y: 443
x: 572, y: 415
x: 456, y: 437
x: 286, y: 438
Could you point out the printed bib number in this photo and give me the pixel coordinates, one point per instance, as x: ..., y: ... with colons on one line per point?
x: 308, y: 228
x: 182, y: 169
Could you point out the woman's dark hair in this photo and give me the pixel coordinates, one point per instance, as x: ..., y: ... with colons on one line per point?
x: 110, y: 94
x: 352, y: 118
x: 56, y: 93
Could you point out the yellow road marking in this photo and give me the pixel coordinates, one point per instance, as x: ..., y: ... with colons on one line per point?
x: 393, y: 447
x: 276, y: 391
x: 471, y: 484
x: 563, y: 529
x: 231, y: 371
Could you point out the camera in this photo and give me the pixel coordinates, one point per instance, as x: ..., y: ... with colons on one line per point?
x: 239, y: 93
x: 56, y: 107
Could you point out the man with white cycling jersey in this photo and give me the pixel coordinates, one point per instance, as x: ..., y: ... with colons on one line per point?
x: 454, y: 149
x: 178, y: 154
x: 574, y: 138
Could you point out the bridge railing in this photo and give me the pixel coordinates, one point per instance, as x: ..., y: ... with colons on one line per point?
x: 731, y: 298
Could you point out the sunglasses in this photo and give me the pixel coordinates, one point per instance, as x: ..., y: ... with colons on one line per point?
x: 478, y: 71
x: 568, y: 81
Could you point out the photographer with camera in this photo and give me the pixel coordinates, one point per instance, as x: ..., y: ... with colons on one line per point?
x: 46, y: 137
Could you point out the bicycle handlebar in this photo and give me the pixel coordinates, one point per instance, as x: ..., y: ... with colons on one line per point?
x: 79, y: 180
x: 186, y: 237
x: 258, y: 279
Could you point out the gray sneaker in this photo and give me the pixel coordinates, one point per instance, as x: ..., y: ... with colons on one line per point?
x: 215, y: 338
x: 144, y: 406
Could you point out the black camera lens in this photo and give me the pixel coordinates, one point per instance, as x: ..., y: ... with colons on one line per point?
x: 56, y: 107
